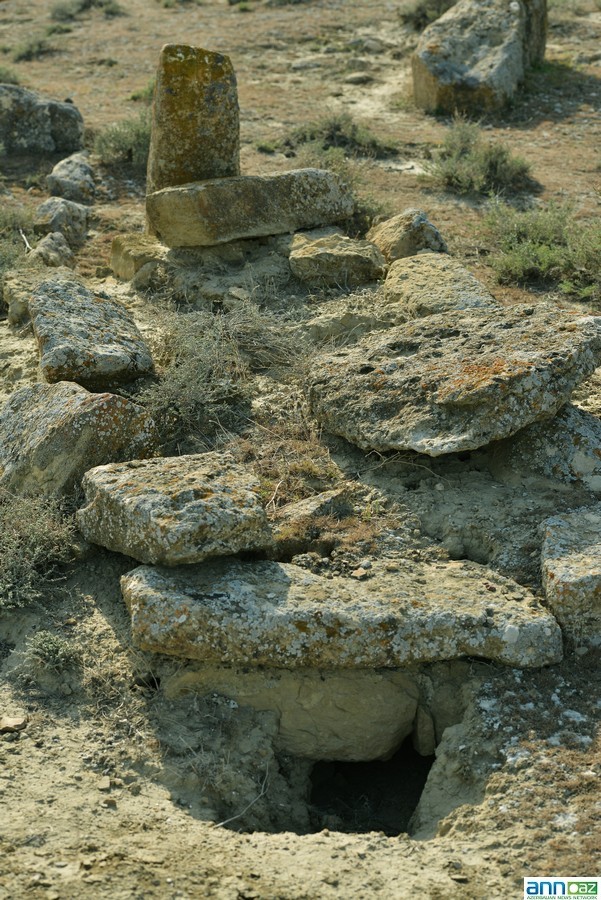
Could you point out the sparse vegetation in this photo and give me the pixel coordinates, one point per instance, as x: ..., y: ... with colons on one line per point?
x: 7, y: 76
x: 145, y: 94
x: 35, y: 48
x: 51, y: 653
x: 127, y: 141
x: 339, y: 132
x: 468, y: 163
x: 547, y: 246
x: 13, y: 221
x: 35, y: 538
x: 69, y: 10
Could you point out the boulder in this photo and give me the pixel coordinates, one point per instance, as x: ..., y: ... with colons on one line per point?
x: 73, y: 179
x: 195, y: 118
x: 174, y: 511
x: 33, y: 124
x: 454, y: 382
x: 58, y: 214
x: 433, y: 283
x: 282, y: 616
x: 566, y: 448
x: 335, y: 259
x: 54, y: 251
x: 85, y: 337
x: 18, y: 285
x: 405, y: 235
x: 51, y: 434
x: 571, y: 567
x: 213, y: 212
x: 475, y: 55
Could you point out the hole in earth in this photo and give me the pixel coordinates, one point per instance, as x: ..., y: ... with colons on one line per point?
x: 369, y: 796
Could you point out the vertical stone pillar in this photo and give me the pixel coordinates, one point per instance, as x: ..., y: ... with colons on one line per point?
x: 195, y: 118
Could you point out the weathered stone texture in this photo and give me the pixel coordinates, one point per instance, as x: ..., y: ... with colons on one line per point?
x: 86, y: 338
x: 130, y: 252
x: 58, y: 214
x: 335, y: 259
x: 53, y: 251
x: 571, y: 567
x: 195, y: 119
x: 51, y: 434
x: 454, y: 382
x: 174, y: 511
x: 18, y: 286
x: 214, y: 212
x: 279, y: 615
x: 433, y: 283
x: 33, y: 124
x: 73, y: 179
x: 474, y: 56
x: 405, y: 235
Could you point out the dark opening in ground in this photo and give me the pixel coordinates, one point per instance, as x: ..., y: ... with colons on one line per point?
x: 369, y: 796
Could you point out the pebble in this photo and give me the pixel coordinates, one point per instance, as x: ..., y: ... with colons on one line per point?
x: 12, y: 724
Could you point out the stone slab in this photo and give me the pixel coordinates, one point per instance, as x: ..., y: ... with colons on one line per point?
x: 203, y: 214
x: 454, y: 382
x: 174, y: 511
x: 335, y: 259
x: 283, y: 616
x: 85, y: 337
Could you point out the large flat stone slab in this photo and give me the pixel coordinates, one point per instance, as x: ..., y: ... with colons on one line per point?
x: 206, y: 213
x: 83, y: 337
x: 571, y: 567
x: 433, y: 283
x: 174, y: 511
x: 51, y: 434
x: 195, y: 118
x: 335, y: 259
x: 454, y: 382
x: 280, y: 615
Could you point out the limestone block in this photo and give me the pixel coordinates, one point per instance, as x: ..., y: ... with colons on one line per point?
x: 51, y: 434
x: 33, y: 124
x: 131, y: 252
x: 475, y: 55
x: 282, y: 616
x: 566, y: 448
x: 405, y: 235
x: 18, y: 286
x: 53, y: 251
x: 73, y: 179
x: 174, y: 511
x: 85, y: 338
x: 335, y: 259
x: 344, y: 715
x: 58, y: 214
x: 433, y: 283
x: 454, y: 382
x: 195, y: 118
x: 571, y: 567
x: 206, y: 213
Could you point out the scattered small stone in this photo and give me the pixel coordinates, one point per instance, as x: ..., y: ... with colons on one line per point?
x: 104, y: 784
x: 12, y: 724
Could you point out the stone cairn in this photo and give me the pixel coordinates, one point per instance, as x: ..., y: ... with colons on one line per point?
x: 435, y: 366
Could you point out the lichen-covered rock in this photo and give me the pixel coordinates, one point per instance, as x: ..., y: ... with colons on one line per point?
x: 130, y: 252
x: 73, y: 179
x: 566, y: 448
x: 280, y: 615
x: 86, y: 338
x: 474, y: 56
x: 213, y: 212
x: 454, y: 382
x: 571, y: 567
x: 174, y: 511
x: 335, y: 259
x: 18, y: 286
x: 294, y: 522
x: 433, y: 283
x: 58, y: 214
x: 51, y: 434
x: 195, y: 118
x: 33, y: 124
x: 53, y: 251
x: 405, y: 235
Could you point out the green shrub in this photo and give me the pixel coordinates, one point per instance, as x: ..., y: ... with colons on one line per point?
x: 127, y: 141
x: 35, y: 48
x: 145, y: 94
x: 69, y: 10
x: 7, y: 76
x: 35, y: 538
x: 13, y: 221
x: 421, y: 13
x: 339, y: 132
x: 467, y: 163
x: 52, y: 653
x: 547, y: 246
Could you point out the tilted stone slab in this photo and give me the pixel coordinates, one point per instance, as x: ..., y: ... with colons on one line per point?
x: 474, y: 56
x: 335, y: 259
x: 86, y: 338
x: 195, y: 118
x: 51, y: 434
x: 279, y: 615
x: 405, y: 235
x: 433, y: 283
x: 174, y: 511
x: 206, y: 213
x: 454, y: 382
x: 571, y: 567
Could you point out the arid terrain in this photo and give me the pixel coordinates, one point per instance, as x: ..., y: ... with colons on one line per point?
x: 115, y: 788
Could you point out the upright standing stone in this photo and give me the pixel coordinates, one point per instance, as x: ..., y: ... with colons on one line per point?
x: 195, y: 119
